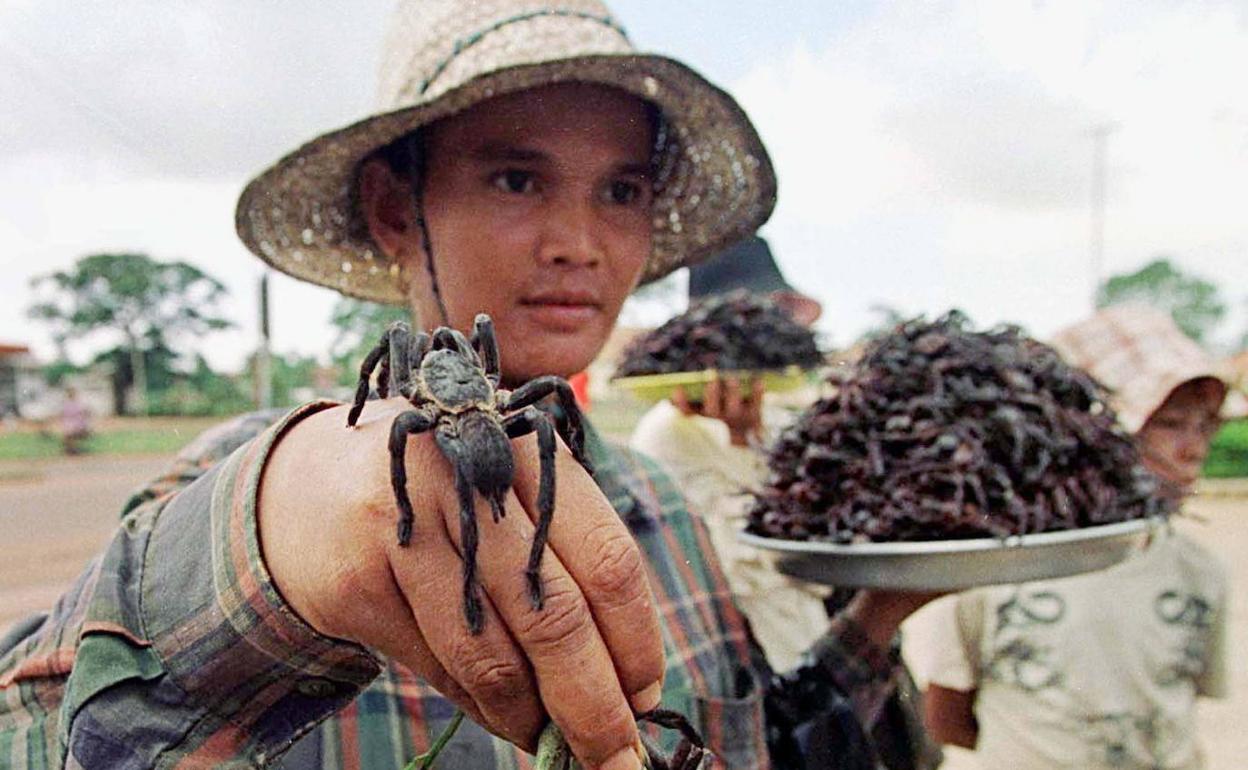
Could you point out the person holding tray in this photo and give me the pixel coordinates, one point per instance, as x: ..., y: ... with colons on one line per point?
x: 713, y: 450
x: 1100, y: 670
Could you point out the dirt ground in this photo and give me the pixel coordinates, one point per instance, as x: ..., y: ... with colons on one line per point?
x: 56, y: 514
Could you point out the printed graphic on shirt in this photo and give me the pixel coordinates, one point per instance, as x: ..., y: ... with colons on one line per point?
x: 1191, y: 615
x: 1024, y: 654
x: 1020, y: 658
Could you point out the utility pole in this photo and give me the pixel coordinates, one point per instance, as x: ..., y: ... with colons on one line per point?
x: 264, y: 364
x: 1096, y: 240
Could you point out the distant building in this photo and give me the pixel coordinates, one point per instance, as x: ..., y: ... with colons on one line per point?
x: 26, y: 394
x: 19, y: 375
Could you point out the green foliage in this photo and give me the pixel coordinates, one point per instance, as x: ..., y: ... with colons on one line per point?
x: 137, y: 437
x: 132, y: 294
x: 1193, y: 302
x: 1228, y: 454
x: 202, y: 392
x: 291, y: 373
x: 56, y: 372
x: 159, y: 364
x: 142, y: 302
x: 360, y: 325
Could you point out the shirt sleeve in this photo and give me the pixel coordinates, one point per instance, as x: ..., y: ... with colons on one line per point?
x: 863, y: 672
x: 174, y: 646
x: 944, y: 641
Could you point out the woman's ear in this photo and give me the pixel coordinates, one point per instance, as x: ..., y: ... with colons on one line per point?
x: 389, y: 208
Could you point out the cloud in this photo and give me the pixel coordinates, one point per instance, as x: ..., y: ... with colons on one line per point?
x: 182, y: 89
x: 941, y: 156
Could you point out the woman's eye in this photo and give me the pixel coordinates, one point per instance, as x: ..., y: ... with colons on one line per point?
x: 624, y: 192
x: 514, y: 181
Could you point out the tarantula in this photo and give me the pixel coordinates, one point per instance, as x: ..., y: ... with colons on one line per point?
x: 453, y: 383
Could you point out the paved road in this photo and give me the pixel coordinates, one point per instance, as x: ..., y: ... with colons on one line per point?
x: 57, y: 514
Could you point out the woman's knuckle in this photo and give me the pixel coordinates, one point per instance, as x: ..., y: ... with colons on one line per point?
x: 563, y: 619
x: 618, y: 572
x: 485, y: 674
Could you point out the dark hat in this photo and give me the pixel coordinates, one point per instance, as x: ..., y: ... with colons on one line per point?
x: 747, y: 264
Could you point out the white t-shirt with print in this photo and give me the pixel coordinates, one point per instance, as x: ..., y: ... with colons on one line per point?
x: 1094, y: 671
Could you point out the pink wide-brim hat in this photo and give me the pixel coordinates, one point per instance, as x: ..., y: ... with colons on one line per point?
x: 1141, y: 355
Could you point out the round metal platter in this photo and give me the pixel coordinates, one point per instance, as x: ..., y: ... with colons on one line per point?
x: 951, y: 565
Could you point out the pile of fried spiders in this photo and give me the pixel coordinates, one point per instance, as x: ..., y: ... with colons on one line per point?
x: 453, y: 383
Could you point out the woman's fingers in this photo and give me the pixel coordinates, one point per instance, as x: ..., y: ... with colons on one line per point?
x: 680, y: 399
x: 596, y: 548
x: 489, y: 667
x: 574, y: 670
x: 328, y: 531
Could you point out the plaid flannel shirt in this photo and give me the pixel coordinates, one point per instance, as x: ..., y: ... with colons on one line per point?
x: 173, y: 649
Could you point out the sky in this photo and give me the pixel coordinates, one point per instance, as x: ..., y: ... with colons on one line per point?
x: 930, y: 154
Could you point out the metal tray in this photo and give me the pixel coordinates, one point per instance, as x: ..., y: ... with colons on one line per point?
x: 952, y: 565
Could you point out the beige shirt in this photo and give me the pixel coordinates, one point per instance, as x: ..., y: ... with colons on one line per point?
x: 786, y: 615
x: 1095, y: 671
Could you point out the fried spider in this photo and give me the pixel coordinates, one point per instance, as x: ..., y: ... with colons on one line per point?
x: 453, y: 383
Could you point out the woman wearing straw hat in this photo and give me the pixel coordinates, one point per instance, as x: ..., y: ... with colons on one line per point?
x: 255, y: 609
x: 1100, y: 670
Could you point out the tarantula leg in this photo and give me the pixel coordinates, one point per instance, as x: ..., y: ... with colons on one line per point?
x: 521, y: 424
x: 473, y: 612
x: 403, y: 379
x: 403, y: 426
x: 690, y: 751
x: 385, y: 348
x: 486, y: 344
x: 395, y: 365
x: 366, y: 373
x: 673, y: 720
x: 446, y: 338
x: 454, y: 451
x: 573, y: 430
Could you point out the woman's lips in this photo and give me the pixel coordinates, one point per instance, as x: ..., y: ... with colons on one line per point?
x: 557, y: 315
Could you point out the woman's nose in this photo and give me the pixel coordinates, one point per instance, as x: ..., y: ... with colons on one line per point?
x: 571, y: 237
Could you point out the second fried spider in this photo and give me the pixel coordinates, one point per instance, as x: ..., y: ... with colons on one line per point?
x: 453, y: 383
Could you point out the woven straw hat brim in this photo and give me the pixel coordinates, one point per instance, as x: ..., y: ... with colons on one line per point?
x: 301, y: 215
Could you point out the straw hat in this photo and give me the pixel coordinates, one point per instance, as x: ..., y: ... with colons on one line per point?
x: 1140, y: 354
x: 443, y: 56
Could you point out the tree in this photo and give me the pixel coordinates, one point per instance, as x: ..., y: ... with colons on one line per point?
x: 143, y: 302
x: 360, y: 325
x: 1193, y: 303
x: 157, y: 366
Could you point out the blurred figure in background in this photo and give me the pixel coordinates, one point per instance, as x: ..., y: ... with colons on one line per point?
x: 714, y: 451
x: 1100, y: 670
x: 75, y: 422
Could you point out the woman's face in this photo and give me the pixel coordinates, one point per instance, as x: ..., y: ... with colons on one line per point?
x: 1175, y: 439
x: 538, y: 208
